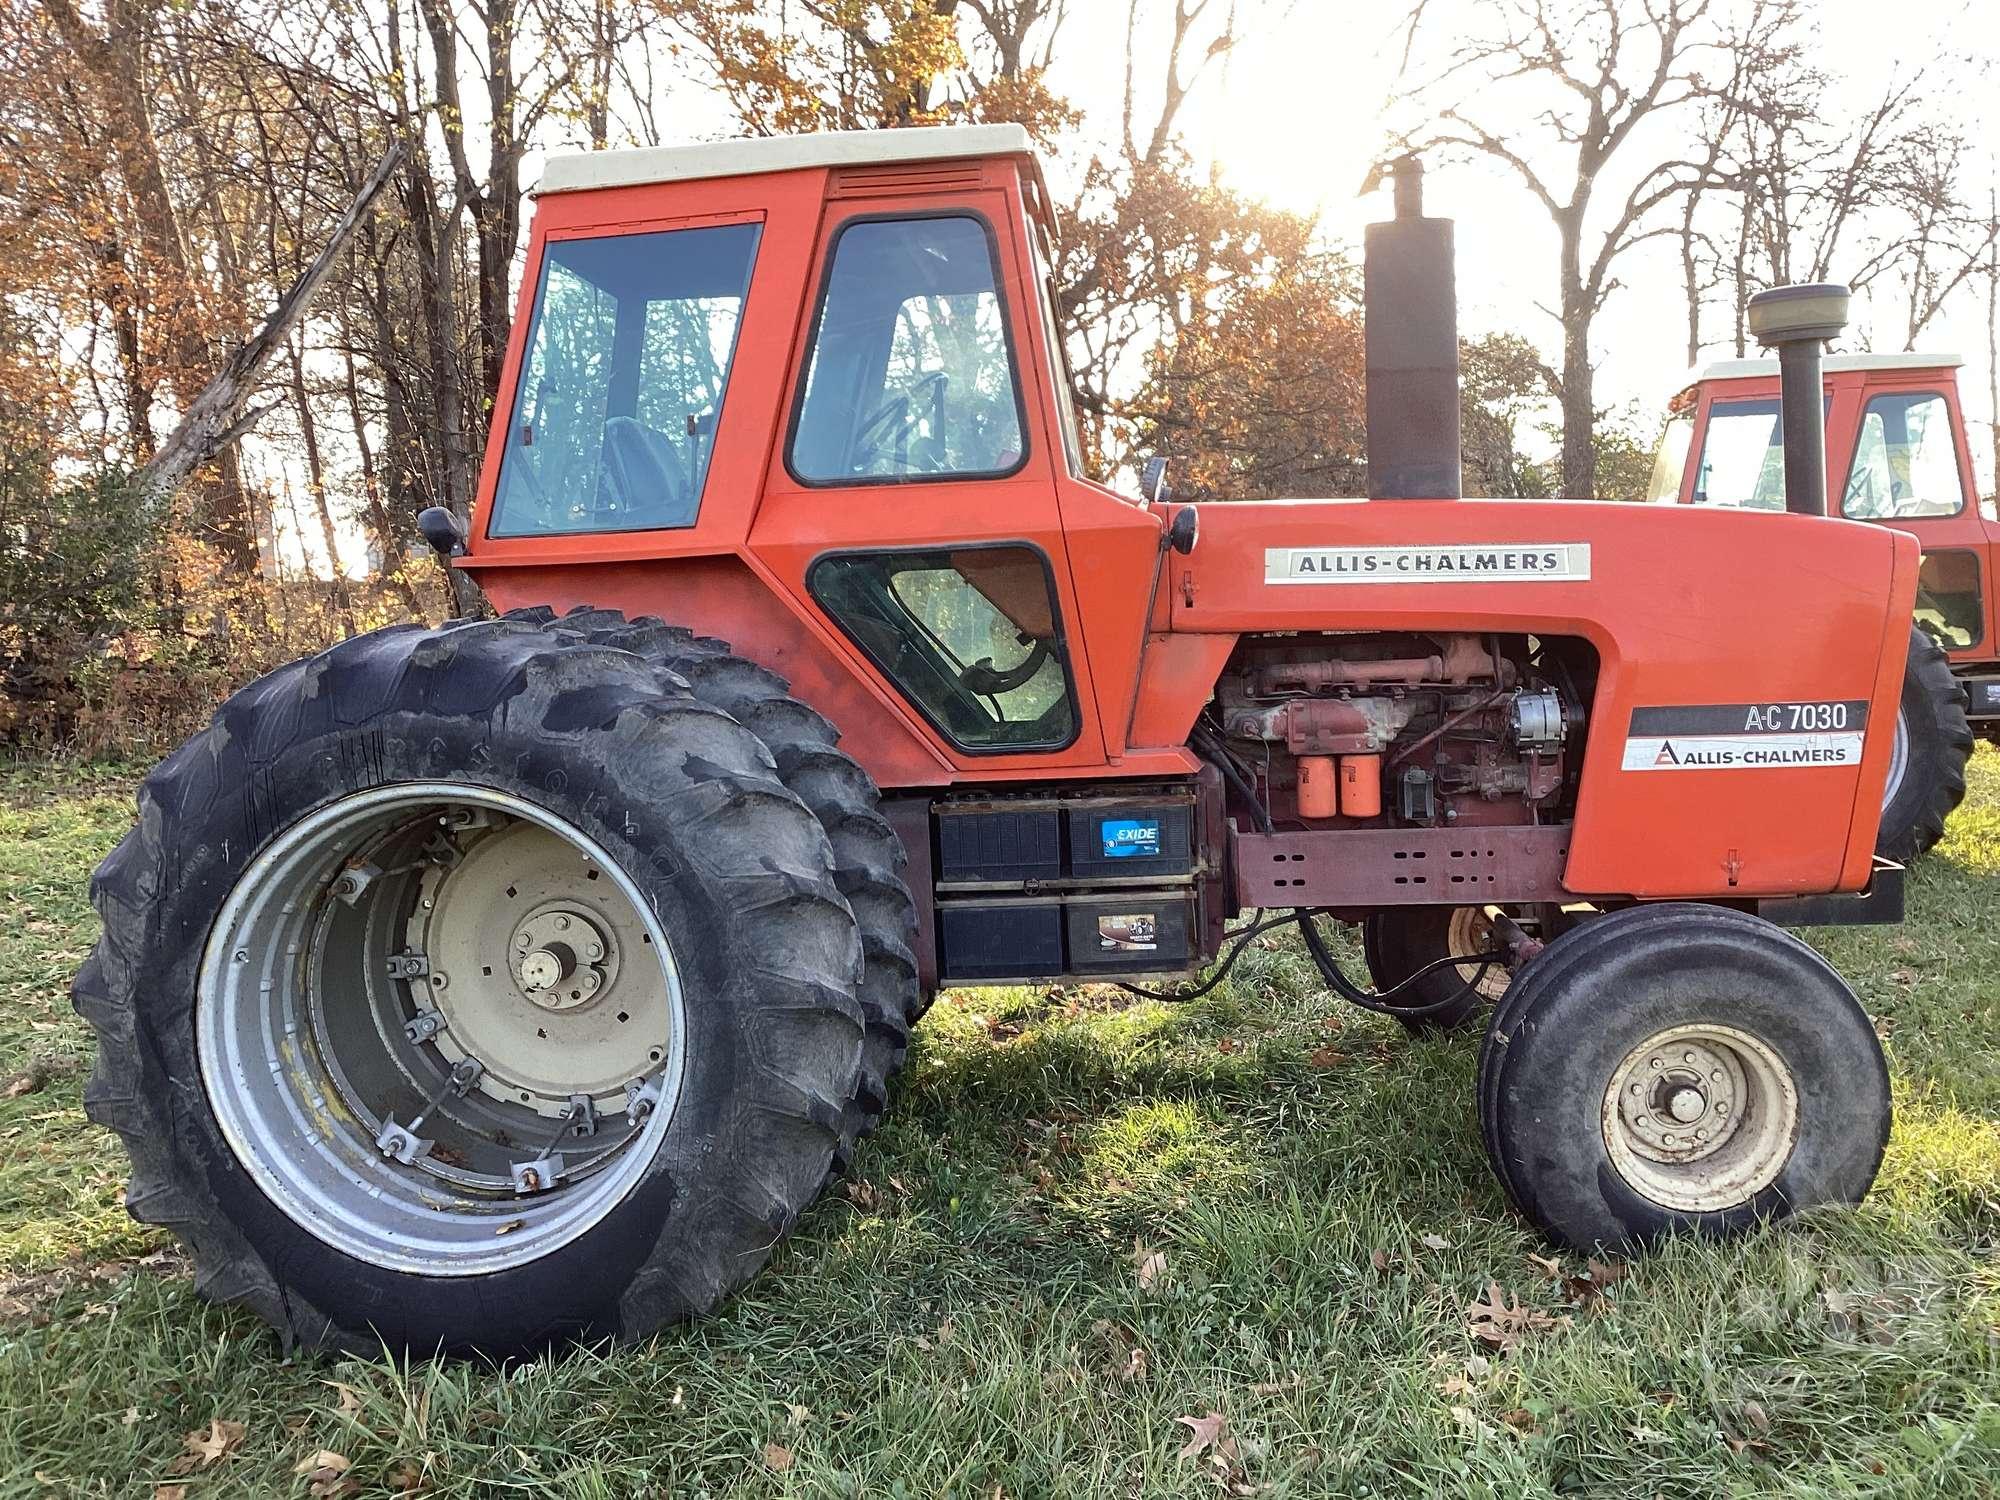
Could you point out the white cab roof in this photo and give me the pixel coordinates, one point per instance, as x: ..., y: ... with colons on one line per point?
x: 576, y: 171
x: 1740, y: 369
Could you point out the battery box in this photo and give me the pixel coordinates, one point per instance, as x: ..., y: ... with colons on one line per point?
x: 1046, y: 937
x: 1042, y: 887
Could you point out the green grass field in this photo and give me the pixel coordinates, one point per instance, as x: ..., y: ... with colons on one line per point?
x: 1088, y: 1219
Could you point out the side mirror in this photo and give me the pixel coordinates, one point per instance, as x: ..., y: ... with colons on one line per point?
x: 1153, y: 480
x: 1181, y: 531
x: 443, y: 530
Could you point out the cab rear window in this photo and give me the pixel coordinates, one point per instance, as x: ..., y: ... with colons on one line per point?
x: 616, y: 407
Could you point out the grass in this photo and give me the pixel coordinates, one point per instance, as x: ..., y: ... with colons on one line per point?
x: 968, y: 1318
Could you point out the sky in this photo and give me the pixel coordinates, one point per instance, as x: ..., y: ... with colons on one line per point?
x: 1297, y: 116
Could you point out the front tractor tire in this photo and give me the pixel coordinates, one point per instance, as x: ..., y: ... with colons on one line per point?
x: 472, y: 989
x: 1679, y: 1068
x: 1933, y: 741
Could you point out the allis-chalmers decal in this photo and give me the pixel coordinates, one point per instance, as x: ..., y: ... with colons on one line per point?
x: 1747, y: 736
x: 1510, y: 562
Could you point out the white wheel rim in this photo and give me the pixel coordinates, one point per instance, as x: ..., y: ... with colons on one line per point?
x: 1700, y: 1117
x: 306, y: 1058
x: 1471, y: 931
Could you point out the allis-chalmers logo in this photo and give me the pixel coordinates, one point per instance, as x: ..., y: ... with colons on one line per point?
x: 1509, y: 562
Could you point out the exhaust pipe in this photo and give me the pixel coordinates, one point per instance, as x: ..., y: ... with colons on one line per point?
x: 1797, y: 321
x: 1410, y: 326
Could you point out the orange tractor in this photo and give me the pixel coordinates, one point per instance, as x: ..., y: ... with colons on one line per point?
x: 1896, y: 434
x: 523, y: 979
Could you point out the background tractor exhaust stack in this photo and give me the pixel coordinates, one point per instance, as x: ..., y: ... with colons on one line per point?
x: 1797, y: 321
x: 1410, y: 319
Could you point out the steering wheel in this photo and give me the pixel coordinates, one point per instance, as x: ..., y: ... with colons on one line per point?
x: 894, y: 419
x: 643, y: 484
x: 983, y: 678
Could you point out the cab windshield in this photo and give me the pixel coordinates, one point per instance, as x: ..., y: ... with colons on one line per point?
x: 615, y: 412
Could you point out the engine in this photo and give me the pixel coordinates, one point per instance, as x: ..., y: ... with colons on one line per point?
x: 1411, y: 730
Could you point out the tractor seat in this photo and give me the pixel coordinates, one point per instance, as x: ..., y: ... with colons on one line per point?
x: 644, y: 474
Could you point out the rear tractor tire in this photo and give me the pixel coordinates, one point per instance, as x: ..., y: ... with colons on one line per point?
x: 1933, y: 741
x: 1679, y: 1067
x: 868, y: 858
x: 472, y: 989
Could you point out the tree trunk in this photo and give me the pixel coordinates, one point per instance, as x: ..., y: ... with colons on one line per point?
x: 1579, y: 444
x: 215, y: 418
x: 343, y: 599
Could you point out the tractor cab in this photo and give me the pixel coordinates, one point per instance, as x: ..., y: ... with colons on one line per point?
x: 1896, y: 455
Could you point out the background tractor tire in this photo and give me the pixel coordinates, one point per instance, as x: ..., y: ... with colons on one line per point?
x: 1637, y: 1030
x: 868, y: 856
x: 1399, y: 941
x: 675, y: 801
x: 1933, y: 743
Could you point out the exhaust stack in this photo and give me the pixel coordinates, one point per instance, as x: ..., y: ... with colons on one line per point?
x: 1797, y: 321
x: 1410, y: 324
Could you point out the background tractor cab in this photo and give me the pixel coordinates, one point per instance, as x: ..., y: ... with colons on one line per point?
x: 1896, y: 454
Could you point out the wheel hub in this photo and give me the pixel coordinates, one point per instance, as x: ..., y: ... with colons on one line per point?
x: 1700, y: 1117
x: 561, y: 958
x: 533, y: 954
x: 1682, y: 1102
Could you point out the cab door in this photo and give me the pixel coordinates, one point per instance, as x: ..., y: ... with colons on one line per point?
x: 910, y: 502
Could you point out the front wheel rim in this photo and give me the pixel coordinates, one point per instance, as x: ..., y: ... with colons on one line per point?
x: 361, y: 1102
x: 1700, y: 1117
x: 1471, y: 931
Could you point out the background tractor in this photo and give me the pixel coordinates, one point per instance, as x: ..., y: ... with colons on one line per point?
x: 523, y: 978
x: 1897, y: 451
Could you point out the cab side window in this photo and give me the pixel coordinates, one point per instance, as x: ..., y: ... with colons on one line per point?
x: 1905, y: 462
x: 911, y: 374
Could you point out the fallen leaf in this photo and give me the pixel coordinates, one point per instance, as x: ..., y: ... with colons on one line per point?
x: 170, y: 1492
x: 1500, y: 1321
x: 350, y: 1398
x: 1548, y: 1265
x: 1455, y: 1385
x: 1478, y: 1366
x: 1435, y: 1242
x: 1151, y: 1264
x: 1273, y: 1387
x: 864, y: 1195
x: 218, y: 1441
x: 777, y: 1457
x: 796, y: 1414
x: 1326, y: 1057
x: 1520, y: 1419
x: 1380, y: 1261
x: 326, y: 1474
x: 406, y: 1478
x: 1755, y: 1415
x: 510, y: 1226
x: 1607, y: 1273
x: 131, y: 1417
x: 26, y: 1083
x: 1206, y: 1433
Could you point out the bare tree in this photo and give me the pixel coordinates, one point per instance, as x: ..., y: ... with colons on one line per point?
x: 1587, y: 74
